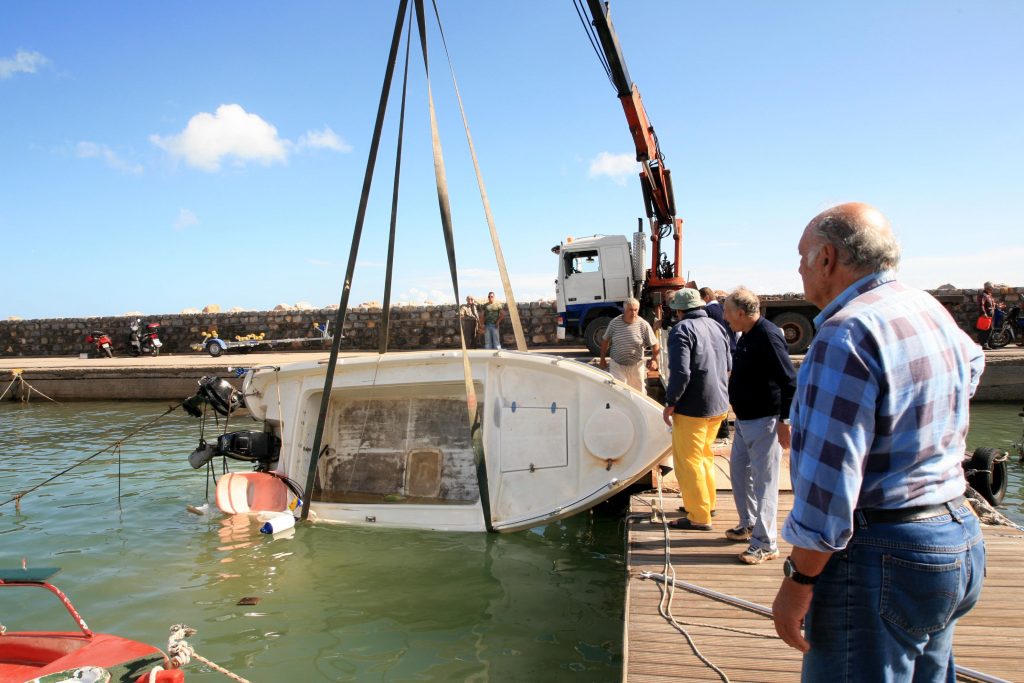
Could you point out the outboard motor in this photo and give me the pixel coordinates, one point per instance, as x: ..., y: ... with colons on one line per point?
x: 218, y: 392
x: 262, y: 448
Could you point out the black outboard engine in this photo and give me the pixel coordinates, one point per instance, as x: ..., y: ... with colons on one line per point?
x: 218, y: 392
x: 262, y: 448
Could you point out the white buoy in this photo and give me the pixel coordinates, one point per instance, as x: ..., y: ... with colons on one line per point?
x: 278, y: 523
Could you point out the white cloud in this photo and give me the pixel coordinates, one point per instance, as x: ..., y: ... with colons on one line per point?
x: 415, y: 296
x: 88, y: 150
x: 185, y: 218
x: 323, y: 139
x: 22, y: 62
x: 618, y: 167
x: 230, y: 132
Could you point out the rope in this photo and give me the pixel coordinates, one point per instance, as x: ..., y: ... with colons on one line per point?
x: 116, y: 444
x: 181, y: 653
x: 513, y: 309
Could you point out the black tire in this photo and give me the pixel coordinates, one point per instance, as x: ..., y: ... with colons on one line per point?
x: 797, y: 329
x: 594, y: 332
x: 1000, y: 338
x: 214, y: 349
x: 988, y: 474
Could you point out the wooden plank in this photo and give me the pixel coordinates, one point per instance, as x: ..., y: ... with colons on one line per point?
x: 987, y: 639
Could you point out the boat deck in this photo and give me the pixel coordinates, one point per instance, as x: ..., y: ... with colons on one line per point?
x: 987, y: 640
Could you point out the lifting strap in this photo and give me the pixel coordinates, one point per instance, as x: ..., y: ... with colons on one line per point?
x: 513, y: 309
x: 385, y: 319
x: 357, y: 232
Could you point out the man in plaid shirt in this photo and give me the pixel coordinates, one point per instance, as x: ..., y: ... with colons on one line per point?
x: 887, y: 556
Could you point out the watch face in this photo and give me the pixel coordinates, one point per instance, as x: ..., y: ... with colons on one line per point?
x: 787, y: 568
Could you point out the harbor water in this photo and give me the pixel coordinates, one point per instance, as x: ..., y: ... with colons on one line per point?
x: 333, y: 603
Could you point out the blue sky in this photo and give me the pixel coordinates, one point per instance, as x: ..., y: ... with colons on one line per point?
x: 163, y: 156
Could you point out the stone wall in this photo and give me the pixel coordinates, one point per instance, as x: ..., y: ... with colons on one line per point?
x: 411, y: 328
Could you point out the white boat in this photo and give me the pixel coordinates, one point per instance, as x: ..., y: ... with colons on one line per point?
x: 552, y: 437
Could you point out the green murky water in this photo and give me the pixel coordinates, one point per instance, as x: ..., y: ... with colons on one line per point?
x: 335, y: 603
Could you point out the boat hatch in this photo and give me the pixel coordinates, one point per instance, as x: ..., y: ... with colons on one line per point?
x: 533, y: 438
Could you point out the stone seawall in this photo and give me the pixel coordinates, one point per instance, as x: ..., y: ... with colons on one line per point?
x: 411, y: 328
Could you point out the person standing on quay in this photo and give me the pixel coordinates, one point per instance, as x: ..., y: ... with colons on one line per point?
x: 469, y: 318
x: 716, y: 312
x: 761, y: 389
x: 490, y: 322
x: 697, y: 400
x: 886, y: 553
x: 986, y: 309
x: 628, y: 335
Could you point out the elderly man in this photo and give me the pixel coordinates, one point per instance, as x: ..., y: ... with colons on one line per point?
x: 628, y: 335
x: 469, y: 318
x: 887, y: 556
x: 761, y: 390
x: 697, y: 400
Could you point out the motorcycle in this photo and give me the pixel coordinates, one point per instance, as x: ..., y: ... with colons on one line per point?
x: 101, y: 343
x: 147, y: 342
x: 1011, y: 329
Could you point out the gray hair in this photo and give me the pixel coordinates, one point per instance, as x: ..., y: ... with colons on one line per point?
x: 742, y: 299
x: 858, y: 242
x: 631, y: 302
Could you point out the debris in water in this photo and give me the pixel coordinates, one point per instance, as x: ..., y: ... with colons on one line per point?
x: 200, y: 510
x: 249, y: 601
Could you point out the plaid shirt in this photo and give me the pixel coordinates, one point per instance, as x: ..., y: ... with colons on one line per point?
x: 881, y: 410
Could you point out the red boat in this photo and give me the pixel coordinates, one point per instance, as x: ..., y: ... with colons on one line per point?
x: 54, y: 656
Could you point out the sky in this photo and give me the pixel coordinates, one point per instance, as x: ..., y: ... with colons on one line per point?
x: 157, y: 157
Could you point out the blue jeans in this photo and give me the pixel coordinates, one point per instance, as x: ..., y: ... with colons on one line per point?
x: 885, y: 607
x: 491, y: 338
x: 754, y: 469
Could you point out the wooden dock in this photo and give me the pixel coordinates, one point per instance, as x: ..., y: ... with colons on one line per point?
x: 988, y: 639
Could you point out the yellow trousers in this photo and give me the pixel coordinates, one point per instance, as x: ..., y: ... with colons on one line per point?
x: 692, y: 438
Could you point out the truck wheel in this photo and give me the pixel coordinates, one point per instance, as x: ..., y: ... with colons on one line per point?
x: 797, y: 329
x: 214, y: 349
x: 594, y: 332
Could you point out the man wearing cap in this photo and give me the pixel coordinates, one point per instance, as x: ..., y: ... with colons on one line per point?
x: 886, y: 553
x: 697, y: 400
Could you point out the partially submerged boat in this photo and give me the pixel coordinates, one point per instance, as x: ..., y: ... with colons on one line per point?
x: 550, y: 437
x: 79, y: 655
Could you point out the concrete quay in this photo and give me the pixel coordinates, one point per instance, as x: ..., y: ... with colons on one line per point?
x: 174, y: 376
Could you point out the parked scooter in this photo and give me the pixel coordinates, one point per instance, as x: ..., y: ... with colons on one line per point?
x: 1011, y: 329
x: 101, y: 343
x: 144, y: 341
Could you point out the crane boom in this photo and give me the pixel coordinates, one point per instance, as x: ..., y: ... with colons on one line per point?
x: 655, y: 177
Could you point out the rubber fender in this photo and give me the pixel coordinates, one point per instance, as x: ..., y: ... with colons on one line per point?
x: 987, y: 474
x: 162, y: 676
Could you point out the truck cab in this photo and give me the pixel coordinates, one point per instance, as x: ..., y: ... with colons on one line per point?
x: 595, y: 275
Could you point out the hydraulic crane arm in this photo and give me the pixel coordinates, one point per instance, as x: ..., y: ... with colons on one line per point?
x: 655, y: 178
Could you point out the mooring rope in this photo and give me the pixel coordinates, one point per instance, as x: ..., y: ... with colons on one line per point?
x: 18, y: 376
x: 181, y: 653
x: 116, y: 445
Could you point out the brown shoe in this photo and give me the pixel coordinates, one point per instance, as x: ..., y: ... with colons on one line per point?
x: 686, y: 525
x: 740, y: 533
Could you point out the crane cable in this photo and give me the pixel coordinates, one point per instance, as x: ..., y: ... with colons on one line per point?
x: 513, y: 309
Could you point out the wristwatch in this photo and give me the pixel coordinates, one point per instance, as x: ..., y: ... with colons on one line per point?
x: 790, y: 570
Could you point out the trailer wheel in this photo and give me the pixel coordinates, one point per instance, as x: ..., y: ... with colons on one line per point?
x: 594, y: 332
x: 797, y: 330
x: 213, y: 348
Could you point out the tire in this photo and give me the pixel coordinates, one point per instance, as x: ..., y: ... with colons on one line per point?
x: 214, y: 349
x: 797, y: 329
x: 594, y: 332
x: 988, y: 474
x: 1000, y: 338
x: 108, y: 352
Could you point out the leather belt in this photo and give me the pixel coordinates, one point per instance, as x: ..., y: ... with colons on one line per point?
x: 911, y: 514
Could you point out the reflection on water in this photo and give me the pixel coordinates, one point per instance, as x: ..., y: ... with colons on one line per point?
x: 334, y: 603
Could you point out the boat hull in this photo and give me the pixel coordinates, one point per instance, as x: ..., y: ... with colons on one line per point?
x: 548, y: 438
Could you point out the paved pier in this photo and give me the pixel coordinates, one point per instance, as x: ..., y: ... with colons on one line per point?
x: 987, y: 640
